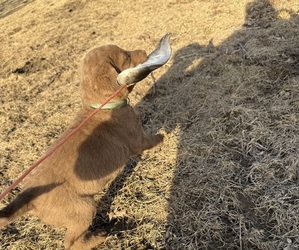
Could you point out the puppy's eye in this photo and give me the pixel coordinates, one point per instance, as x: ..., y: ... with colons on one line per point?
x: 127, y: 57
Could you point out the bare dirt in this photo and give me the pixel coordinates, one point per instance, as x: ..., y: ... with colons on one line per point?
x: 227, y: 176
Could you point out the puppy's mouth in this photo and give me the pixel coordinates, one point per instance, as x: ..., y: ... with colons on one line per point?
x: 155, y: 60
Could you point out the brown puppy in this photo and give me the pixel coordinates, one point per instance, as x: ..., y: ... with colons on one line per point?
x: 60, y: 191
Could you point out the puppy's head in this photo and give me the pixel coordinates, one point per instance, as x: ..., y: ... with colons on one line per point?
x: 100, y: 68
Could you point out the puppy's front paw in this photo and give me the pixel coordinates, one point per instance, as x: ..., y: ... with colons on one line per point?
x: 152, y: 141
x: 159, y: 138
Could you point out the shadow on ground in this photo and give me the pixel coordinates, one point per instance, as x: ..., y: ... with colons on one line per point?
x: 237, y: 146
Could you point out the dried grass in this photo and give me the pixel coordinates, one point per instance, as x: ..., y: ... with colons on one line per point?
x: 227, y: 175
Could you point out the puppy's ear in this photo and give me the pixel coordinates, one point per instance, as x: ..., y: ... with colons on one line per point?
x: 112, y: 63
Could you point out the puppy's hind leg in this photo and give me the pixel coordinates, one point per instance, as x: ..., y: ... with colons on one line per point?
x: 79, y: 217
x: 78, y: 239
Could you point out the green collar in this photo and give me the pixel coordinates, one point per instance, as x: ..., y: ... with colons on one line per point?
x: 111, y: 105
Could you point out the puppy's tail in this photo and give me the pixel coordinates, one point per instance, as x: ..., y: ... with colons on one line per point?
x: 16, y: 208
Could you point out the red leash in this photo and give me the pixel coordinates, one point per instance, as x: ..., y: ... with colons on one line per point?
x: 16, y: 182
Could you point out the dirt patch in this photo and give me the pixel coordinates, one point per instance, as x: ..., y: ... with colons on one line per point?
x: 227, y: 176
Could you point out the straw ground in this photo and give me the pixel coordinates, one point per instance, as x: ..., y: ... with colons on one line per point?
x: 228, y: 101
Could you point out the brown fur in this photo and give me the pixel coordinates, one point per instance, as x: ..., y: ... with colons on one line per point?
x: 60, y: 191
